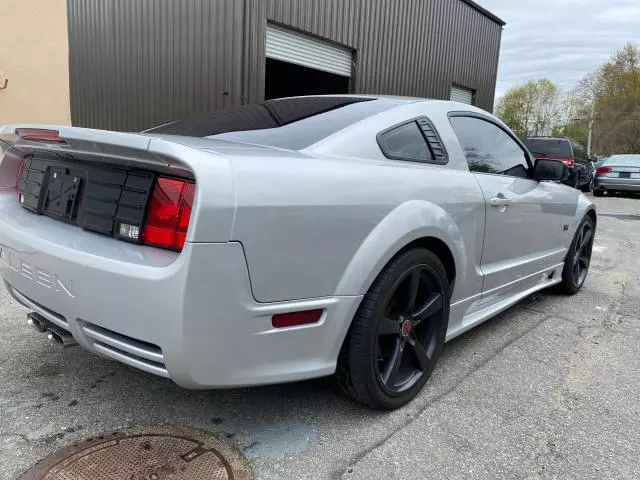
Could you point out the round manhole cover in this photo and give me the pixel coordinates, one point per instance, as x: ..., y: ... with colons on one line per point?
x: 164, y: 454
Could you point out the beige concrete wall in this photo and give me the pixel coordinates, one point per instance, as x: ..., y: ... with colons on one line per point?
x: 34, y: 57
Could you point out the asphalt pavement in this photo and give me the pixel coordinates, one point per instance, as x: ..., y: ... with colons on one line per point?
x: 549, y: 389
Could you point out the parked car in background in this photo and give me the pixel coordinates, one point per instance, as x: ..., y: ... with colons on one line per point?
x: 286, y: 240
x: 568, y: 152
x: 619, y: 173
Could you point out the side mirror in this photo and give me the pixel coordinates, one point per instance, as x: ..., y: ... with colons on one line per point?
x: 551, y: 170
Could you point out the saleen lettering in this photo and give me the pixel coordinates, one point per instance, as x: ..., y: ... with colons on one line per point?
x: 34, y: 273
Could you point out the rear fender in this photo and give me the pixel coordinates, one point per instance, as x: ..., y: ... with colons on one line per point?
x: 583, y: 207
x: 407, y: 223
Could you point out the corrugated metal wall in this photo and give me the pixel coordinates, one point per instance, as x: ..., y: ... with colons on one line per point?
x: 135, y: 64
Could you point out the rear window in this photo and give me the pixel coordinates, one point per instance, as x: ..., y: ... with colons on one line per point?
x: 291, y: 123
x: 548, y: 147
x: 623, y: 161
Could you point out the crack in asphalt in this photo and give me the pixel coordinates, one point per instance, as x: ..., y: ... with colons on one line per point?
x: 344, y: 470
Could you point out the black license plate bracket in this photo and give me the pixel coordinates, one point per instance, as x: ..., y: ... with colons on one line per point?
x: 62, y: 193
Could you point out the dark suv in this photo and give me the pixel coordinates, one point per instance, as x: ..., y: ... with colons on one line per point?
x: 568, y: 152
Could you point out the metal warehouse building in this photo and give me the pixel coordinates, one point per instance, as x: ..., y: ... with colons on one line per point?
x: 137, y: 64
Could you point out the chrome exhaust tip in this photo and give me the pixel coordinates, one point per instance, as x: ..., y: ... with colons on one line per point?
x: 60, y: 337
x: 56, y: 335
x: 37, y: 322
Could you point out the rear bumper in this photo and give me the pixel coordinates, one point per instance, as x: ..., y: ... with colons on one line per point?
x: 618, y: 184
x: 189, y: 316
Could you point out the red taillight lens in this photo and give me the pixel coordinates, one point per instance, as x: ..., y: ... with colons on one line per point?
x: 603, y: 170
x: 186, y: 202
x: 169, y: 213
x: 569, y: 163
x: 39, y: 135
x: 295, y: 319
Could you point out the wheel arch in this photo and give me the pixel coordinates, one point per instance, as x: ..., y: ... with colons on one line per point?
x: 440, y: 249
x: 585, y: 207
x: 412, y: 224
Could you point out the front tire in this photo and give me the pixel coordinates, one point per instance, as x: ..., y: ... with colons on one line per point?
x: 397, y: 334
x: 578, y: 259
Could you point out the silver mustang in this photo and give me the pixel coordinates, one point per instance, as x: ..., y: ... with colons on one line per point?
x: 296, y: 238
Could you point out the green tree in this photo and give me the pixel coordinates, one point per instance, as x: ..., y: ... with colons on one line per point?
x: 531, y: 109
x: 617, y: 103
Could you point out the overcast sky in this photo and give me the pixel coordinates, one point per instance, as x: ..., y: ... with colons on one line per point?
x: 560, y: 39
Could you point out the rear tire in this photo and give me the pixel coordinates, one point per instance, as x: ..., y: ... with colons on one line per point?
x: 578, y: 259
x: 389, y: 352
x: 572, y: 181
x: 598, y: 193
x: 588, y: 187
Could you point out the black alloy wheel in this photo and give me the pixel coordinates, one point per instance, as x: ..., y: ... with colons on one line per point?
x: 578, y: 259
x: 397, y: 335
x: 408, y: 331
x: 582, y: 256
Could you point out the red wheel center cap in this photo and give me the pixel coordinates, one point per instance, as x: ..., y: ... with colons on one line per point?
x: 406, y: 328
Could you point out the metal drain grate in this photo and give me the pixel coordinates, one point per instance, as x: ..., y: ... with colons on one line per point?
x: 145, y: 456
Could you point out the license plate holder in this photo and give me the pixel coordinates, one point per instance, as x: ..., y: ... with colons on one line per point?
x: 62, y: 194
x: 624, y: 174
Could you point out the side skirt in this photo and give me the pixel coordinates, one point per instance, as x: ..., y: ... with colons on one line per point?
x: 475, y: 311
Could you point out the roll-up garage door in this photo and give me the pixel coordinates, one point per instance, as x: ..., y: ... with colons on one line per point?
x: 293, y: 47
x: 461, y: 94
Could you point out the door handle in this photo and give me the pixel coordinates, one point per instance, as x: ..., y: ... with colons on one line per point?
x: 499, y: 201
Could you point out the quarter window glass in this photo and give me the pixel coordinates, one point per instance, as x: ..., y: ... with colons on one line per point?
x: 405, y: 142
x: 488, y: 148
x: 623, y: 161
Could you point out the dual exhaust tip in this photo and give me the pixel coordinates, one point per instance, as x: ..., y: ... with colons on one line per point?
x: 58, y: 336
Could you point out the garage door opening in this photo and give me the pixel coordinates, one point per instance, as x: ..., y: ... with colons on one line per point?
x: 462, y: 94
x: 289, y: 80
x: 301, y: 64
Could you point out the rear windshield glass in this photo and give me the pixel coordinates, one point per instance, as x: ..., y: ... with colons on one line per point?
x: 291, y: 123
x: 548, y: 147
x: 623, y: 161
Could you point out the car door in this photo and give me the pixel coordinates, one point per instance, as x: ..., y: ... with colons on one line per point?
x: 524, y: 217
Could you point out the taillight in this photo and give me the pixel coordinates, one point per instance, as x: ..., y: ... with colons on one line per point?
x: 168, y: 213
x: 568, y: 162
x: 39, y: 135
x: 603, y: 170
